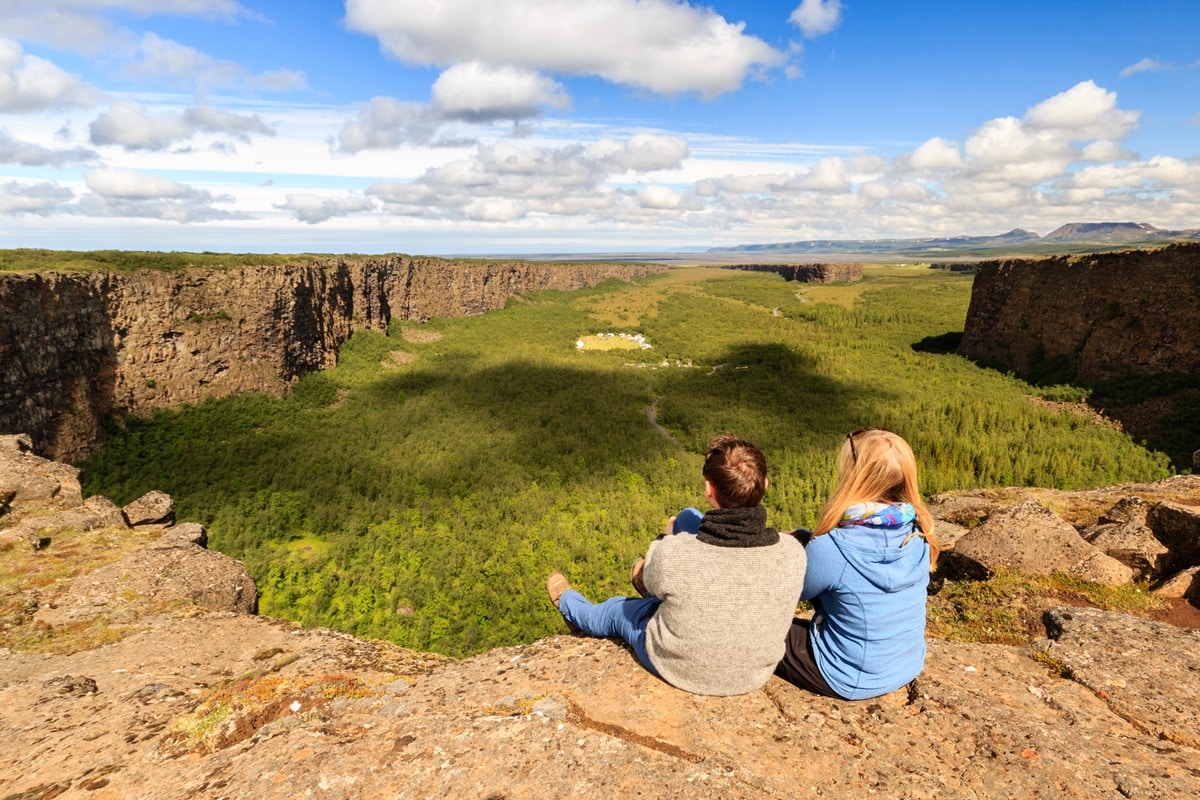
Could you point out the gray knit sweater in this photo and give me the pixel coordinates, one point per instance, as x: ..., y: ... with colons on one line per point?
x: 725, y: 611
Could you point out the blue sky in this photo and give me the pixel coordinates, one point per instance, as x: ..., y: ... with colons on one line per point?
x: 575, y: 126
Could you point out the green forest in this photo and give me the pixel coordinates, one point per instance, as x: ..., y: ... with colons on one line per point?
x: 422, y: 490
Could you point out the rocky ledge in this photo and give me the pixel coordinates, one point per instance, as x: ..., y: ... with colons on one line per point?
x: 149, y: 678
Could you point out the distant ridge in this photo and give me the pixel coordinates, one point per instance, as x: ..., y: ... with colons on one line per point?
x: 1074, y: 236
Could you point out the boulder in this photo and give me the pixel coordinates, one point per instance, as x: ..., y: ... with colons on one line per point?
x: 152, y: 508
x: 107, y: 513
x: 1032, y: 539
x: 947, y: 534
x: 1127, y: 509
x: 155, y: 576
x: 1185, y: 584
x: 32, y: 478
x: 183, y: 535
x: 1133, y: 544
x: 962, y: 509
x: 1177, y: 525
x: 15, y: 444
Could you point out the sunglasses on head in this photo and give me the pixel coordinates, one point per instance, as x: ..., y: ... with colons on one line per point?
x: 850, y: 437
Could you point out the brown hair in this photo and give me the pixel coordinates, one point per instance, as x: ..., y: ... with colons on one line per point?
x: 737, y: 471
x: 878, y: 466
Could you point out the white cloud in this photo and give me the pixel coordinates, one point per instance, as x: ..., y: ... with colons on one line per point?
x: 1085, y: 111
x: 1160, y: 170
x: 1104, y: 150
x: 29, y: 83
x: 312, y: 208
x: 936, y: 154
x: 827, y: 175
x: 40, y: 199
x: 163, y: 60
x: 481, y: 93
x: 661, y: 45
x: 386, y: 123
x: 130, y: 184
x: 130, y: 193
x: 494, y: 209
x: 660, y: 197
x: 218, y: 120
x: 644, y: 152
x: 817, y: 17
x: 80, y: 25
x: 504, y: 182
x: 1145, y: 65
x: 15, y: 151
x: 134, y: 127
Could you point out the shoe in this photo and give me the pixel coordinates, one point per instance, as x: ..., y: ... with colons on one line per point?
x: 556, y: 584
x: 635, y: 576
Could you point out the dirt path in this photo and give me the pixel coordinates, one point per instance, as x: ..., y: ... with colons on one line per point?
x: 652, y: 415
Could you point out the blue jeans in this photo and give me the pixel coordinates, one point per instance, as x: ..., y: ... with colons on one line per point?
x: 622, y: 617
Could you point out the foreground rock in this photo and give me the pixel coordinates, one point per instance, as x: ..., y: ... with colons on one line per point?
x: 570, y: 716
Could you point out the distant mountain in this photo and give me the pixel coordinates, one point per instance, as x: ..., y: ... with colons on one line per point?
x: 1112, y: 232
x: 1069, y: 237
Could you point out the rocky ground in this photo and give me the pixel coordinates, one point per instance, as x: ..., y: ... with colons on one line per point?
x: 1105, y: 709
x: 129, y: 677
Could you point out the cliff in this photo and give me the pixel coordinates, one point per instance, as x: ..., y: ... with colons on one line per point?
x: 1088, y: 317
x: 130, y: 679
x: 1122, y: 325
x: 75, y: 346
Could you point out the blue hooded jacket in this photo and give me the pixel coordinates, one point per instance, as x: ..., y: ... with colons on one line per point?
x: 868, y: 632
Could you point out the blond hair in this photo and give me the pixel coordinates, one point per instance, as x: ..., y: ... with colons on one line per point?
x: 877, y: 466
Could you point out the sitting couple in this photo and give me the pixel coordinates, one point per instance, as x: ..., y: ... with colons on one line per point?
x: 718, y: 612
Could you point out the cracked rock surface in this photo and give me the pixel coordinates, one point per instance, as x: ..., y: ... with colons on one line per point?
x: 573, y: 716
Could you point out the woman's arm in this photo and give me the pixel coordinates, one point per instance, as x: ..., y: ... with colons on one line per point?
x: 824, y: 567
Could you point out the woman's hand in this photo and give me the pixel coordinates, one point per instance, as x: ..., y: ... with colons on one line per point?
x: 669, y: 530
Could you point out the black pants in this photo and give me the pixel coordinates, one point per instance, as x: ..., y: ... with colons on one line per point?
x: 798, y: 666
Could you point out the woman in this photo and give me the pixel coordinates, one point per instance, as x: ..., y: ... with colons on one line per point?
x: 868, y: 572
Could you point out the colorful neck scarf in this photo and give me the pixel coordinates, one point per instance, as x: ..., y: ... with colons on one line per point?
x: 878, y: 515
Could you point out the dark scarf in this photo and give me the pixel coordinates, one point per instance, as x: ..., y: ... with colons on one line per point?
x: 737, y: 527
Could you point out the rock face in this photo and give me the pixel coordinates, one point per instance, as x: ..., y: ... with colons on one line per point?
x: 1094, y: 316
x: 810, y: 273
x: 74, y: 346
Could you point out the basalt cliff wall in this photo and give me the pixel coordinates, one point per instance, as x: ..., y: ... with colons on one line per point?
x: 1089, y: 317
x: 75, y: 346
